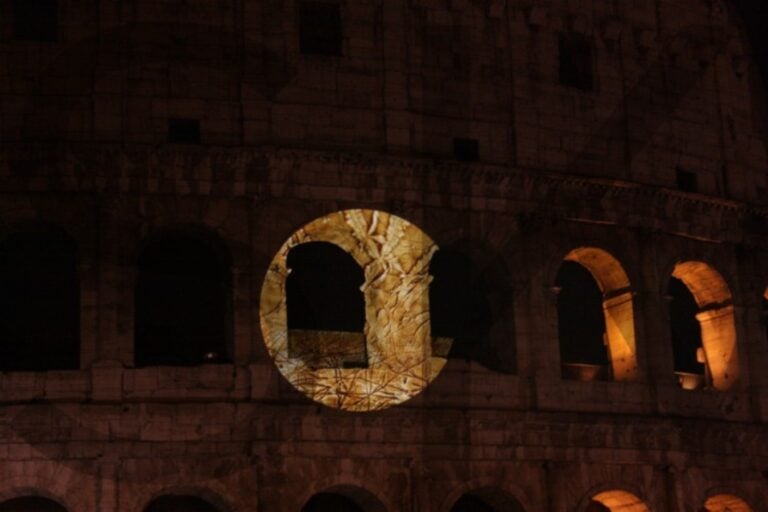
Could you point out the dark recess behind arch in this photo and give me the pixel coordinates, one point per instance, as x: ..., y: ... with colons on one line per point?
x: 39, y: 301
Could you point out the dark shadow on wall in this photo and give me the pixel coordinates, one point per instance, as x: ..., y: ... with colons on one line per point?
x: 581, y: 324
x: 326, y: 307
x: 39, y: 301
x: 685, y: 328
x: 180, y: 504
x: 183, y: 301
x: 473, y: 308
x: 31, y: 504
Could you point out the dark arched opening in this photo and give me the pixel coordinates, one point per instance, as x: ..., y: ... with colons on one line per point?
x: 180, y: 504
x: 471, y: 311
x: 31, y: 504
x: 487, y: 499
x: 183, y: 302
x: 39, y: 302
x: 325, y: 307
x: 685, y: 330
x: 581, y: 324
x: 596, y: 506
x: 469, y: 503
x: 330, y: 502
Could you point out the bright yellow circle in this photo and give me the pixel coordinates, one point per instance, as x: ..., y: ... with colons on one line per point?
x: 395, y: 257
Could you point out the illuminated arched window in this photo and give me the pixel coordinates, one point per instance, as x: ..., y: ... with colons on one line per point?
x: 616, y: 501
x: 325, y: 307
x: 39, y: 301
x: 595, y: 317
x: 486, y: 500
x: 183, y: 302
x: 180, y: 504
x: 702, y: 327
x: 726, y: 503
x: 31, y: 504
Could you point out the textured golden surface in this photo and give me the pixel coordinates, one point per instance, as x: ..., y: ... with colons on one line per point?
x: 395, y: 257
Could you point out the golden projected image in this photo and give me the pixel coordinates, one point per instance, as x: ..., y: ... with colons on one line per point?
x: 345, y: 310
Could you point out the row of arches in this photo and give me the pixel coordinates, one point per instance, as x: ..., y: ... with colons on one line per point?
x: 351, y: 499
x: 183, y: 308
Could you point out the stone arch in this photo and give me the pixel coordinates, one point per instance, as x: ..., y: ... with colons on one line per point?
x: 486, y: 499
x: 615, y: 500
x: 715, y: 317
x: 183, y: 299
x: 39, y: 299
x: 344, y: 498
x: 472, y: 304
x: 617, y: 308
x: 725, y: 503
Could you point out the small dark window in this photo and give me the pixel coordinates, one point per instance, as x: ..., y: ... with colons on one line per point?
x: 319, y: 28
x: 329, y: 502
x: 581, y: 324
x: 39, y: 302
x: 180, y: 504
x: 35, y: 20
x: 183, y: 304
x: 765, y: 312
x: 184, y: 131
x: 31, y: 504
x: 576, y: 61
x: 326, y: 308
x: 466, y: 150
x: 686, y: 181
x: 685, y: 328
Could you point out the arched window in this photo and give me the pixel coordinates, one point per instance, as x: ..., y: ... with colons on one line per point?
x: 180, y: 504
x: 31, y: 504
x: 326, y: 307
x: 471, y: 308
x: 726, y: 503
x: 458, y: 304
x: 702, y: 327
x: 595, y: 317
x: 39, y: 302
x: 616, y: 501
x: 330, y: 502
x: 183, y: 302
x: 486, y: 500
x: 686, y: 336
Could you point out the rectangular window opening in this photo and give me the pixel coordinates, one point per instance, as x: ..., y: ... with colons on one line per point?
x: 576, y: 62
x: 320, y: 28
x: 35, y: 20
x: 687, y: 181
x: 184, y: 131
x: 466, y: 150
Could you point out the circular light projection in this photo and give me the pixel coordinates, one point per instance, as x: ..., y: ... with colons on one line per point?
x: 392, y: 359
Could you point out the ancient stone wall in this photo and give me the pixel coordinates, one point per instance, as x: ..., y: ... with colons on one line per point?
x: 288, y: 138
